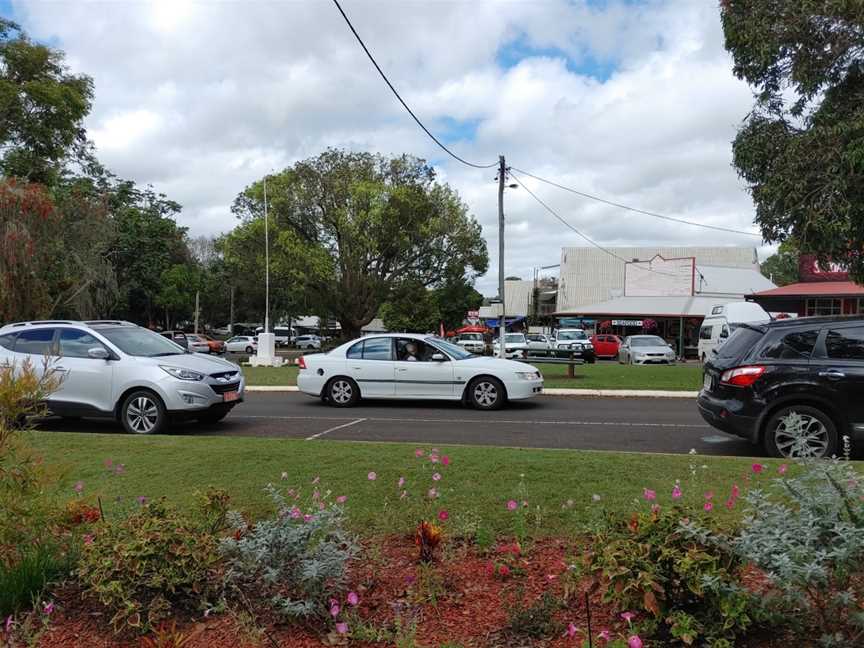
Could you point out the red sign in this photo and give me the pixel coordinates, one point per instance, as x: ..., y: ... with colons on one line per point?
x: 473, y: 314
x: 809, y: 269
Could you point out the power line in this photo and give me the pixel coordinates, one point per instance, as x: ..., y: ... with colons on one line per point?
x: 568, y: 225
x: 402, y: 101
x: 635, y: 209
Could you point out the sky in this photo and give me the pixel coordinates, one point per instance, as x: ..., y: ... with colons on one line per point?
x: 630, y: 100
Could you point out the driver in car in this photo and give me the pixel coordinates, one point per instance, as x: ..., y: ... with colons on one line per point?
x: 411, y: 352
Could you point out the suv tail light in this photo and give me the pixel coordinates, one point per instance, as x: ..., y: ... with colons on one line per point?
x: 301, y: 362
x: 742, y: 376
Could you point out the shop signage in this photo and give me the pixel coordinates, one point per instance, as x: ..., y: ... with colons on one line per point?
x: 626, y: 322
x: 473, y: 314
x: 809, y: 269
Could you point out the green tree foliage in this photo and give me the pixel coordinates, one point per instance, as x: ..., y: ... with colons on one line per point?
x: 353, y: 228
x: 42, y: 108
x: 455, y: 298
x: 411, y: 308
x: 801, y: 150
x: 782, y: 267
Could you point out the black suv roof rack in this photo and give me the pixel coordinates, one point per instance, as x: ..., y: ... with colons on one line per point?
x: 108, y: 322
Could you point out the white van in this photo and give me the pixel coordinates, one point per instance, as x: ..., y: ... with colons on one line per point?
x: 722, y: 319
x: 282, y: 335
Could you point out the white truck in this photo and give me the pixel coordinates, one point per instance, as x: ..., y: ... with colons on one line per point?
x: 722, y: 319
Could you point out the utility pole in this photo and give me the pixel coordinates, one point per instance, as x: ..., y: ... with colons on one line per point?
x: 502, y: 172
x: 266, y: 262
x: 197, y: 309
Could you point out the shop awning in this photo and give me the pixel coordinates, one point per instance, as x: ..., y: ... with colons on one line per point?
x: 510, y: 321
x: 641, y: 307
x: 788, y: 298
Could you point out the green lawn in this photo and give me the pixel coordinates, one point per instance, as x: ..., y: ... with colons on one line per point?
x: 601, y: 375
x: 475, y: 486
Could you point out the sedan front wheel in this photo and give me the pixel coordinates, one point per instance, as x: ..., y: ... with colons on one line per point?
x: 486, y: 393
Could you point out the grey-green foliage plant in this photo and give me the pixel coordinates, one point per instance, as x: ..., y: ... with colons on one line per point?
x: 806, y: 534
x: 296, y: 560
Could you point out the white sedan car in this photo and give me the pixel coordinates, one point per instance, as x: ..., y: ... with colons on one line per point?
x: 410, y: 366
x: 515, y: 345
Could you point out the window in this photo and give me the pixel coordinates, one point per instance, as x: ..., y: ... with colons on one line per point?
x: 36, y: 342
x: 740, y: 342
x: 647, y: 341
x: 377, y: 349
x: 846, y: 344
x: 355, y: 352
x: 724, y: 332
x: 409, y: 348
x: 7, y: 341
x: 76, y: 344
x: 142, y: 343
x: 454, y: 350
x: 791, y: 346
x: 824, y: 306
x: 705, y: 332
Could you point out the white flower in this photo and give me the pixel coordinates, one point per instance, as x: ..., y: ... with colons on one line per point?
x: 692, y: 451
x: 595, y: 497
x: 284, y: 475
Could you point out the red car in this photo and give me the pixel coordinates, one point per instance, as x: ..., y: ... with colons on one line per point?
x: 606, y: 346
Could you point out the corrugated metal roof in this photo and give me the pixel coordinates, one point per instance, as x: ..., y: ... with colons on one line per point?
x: 647, y: 307
x: 719, y: 280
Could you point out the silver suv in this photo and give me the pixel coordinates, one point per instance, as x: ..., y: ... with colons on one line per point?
x: 118, y: 370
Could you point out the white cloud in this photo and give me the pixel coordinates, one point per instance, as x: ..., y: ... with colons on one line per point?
x: 200, y: 99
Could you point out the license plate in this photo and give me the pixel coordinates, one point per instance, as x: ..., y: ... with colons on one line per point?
x: 708, y: 382
x: 231, y: 396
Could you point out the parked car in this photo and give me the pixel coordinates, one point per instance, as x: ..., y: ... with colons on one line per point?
x: 515, y: 345
x: 472, y: 342
x: 722, y: 319
x: 198, y: 343
x: 216, y: 346
x: 381, y: 366
x: 576, y: 342
x: 538, y: 344
x: 793, y: 386
x: 187, y: 341
x: 114, y: 369
x: 308, y: 342
x: 606, y: 346
x: 222, y: 330
x: 242, y: 344
x: 645, y: 349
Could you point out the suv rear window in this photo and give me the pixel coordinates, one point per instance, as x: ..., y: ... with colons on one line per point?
x: 846, y: 343
x: 795, y: 345
x: 739, y: 343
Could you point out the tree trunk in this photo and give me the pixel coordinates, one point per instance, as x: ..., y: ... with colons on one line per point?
x: 350, y: 329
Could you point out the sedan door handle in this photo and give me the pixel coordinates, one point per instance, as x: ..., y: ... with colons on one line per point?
x: 832, y: 374
x: 401, y: 369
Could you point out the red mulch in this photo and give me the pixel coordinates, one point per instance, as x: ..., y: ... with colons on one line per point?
x: 471, y: 607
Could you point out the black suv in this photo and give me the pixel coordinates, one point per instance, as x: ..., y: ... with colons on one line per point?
x: 795, y: 386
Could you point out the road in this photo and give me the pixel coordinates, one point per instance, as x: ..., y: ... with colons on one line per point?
x: 631, y: 424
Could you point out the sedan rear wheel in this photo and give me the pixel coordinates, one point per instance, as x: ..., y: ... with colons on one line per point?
x: 143, y: 413
x: 800, y: 431
x: 487, y: 393
x: 342, y: 392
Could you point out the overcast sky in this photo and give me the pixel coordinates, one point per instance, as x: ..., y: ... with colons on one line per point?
x: 631, y: 100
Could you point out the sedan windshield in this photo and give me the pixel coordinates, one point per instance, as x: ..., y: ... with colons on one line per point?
x: 514, y: 337
x: 142, y: 343
x: 453, y: 350
x: 572, y: 335
x: 647, y: 341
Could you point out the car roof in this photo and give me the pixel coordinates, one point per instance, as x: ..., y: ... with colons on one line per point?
x: 94, y: 324
x: 810, y: 321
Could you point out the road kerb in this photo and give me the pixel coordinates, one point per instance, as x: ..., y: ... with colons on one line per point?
x: 595, y: 393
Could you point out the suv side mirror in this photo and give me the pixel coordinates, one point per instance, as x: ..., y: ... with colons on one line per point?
x: 98, y: 353
x: 438, y: 357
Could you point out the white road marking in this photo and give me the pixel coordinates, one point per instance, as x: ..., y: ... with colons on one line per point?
x: 333, y: 429
x: 477, y: 421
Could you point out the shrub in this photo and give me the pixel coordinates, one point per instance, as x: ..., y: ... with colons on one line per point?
x: 296, y: 560
x: 806, y: 533
x: 22, y: 580
x: 686, y: 588
x: 536, y: 620
x: 23, y: 392
x: 146, y: 564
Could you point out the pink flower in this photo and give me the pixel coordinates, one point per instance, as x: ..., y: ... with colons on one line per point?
x: 757, y: 468
x: 334, y: 609
x: 342, y: 628
x: 353, y: 599
x: 445, y: 460
x: 436, y: 477
x: 418, y: 452
x: 108, y: 463
x: 655, y: 508
x: 142, y: 500
x: 341, y: 499
x: 432, y: 493
x: 676, y: 492
x: 782, y: 469
x: 504, y: 571
x: 79, y: 486
x: 443, y: 516
x: 634, y: 642
x: 628, y: 616
x: 119, y: 469
x: 735, y: 490
x: 48, y: 608
x: 649, y: 494
x: 372, y: 476
x: 708, y: 506
x: 401, y: 482
x: 295, y: 513
x: 512, y: 505
x: 730, y: 503
x: 307, y: 518
x: 571, y: 630
x: 9, y: 624
x: 604, y: 635
x: 709, y: 495
x: 433, y: 458
x: 88, y: 539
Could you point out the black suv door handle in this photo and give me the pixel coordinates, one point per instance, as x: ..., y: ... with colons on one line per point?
x: 832, y: 374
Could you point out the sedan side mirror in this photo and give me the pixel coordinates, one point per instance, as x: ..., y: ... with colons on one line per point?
x: 438, y: 357
x: 98, y: 353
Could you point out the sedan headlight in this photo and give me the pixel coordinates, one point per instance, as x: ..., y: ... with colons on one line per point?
x: 528, y: 375
x: 182, y: 374
x: 589, y: 346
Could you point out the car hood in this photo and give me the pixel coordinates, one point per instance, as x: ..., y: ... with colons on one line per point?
x: 200, y: 362
x: 651, y: 349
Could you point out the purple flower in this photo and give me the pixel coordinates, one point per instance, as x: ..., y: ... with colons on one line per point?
x: 48, y: 608
x: 342, y: 628
x: 372, y: 476
x: 436, y: 477
x: 142, y: 500
x: 512, y: 505
x: 341, y: 499
x: 9, y: 623
x: 335, y: 609
x: 79, y: 486
x: 628, y: 616
x: 353, y: 599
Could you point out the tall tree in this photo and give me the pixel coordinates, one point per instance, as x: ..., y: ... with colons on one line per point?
x: 358, y: 226
x: 801, y: 150
x: 782, y: 267
x: 42, y: 108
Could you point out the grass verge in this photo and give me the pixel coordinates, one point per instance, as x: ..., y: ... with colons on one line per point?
x: 602, y: 375
x: 476, y: 485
